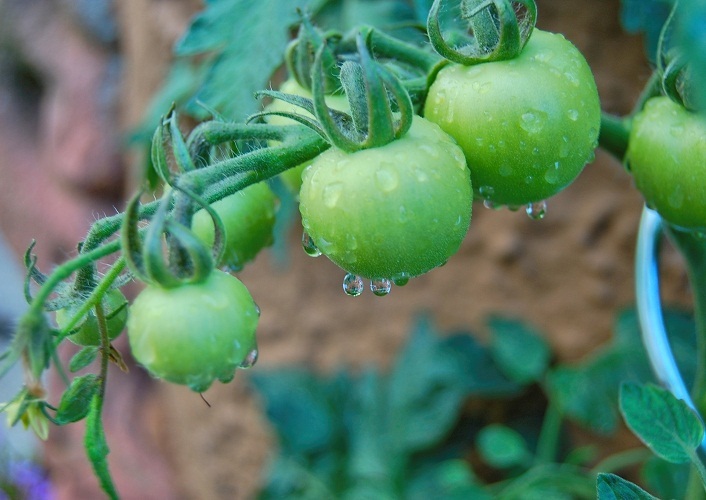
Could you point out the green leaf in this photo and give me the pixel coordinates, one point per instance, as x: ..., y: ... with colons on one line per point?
x: 502, y: 447
x: 519, y: 351
x: 97, y: 448
x: 83, y: 358
x: 76, y: 401
x: 691, y: 36
x: 666, y: 479
x: 250, y: 38
x: 449, y: 479
x: 588, y: 392
x: 664, y: 423
x: 647, y: 17
x: 612, y: 487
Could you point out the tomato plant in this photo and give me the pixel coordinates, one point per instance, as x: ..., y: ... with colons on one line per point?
x: 248, y: 218
x: 292, y: 178
x: 86, y: 332
x: 667, y: 158
x: 527, y: 125
x: 370, y: 211
x: 195, y: 333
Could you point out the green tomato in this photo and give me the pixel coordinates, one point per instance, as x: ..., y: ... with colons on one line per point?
x: 292, y: 178
x: 391, y: 212
x: 527, y: 125
x: 195, y: 333
x: 86, y: 332
x: 667, y: 157
x: 248, y: 218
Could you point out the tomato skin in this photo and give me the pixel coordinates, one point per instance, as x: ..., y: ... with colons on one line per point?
x: 395, y: 211
x: 88, y: 333
x: 292, y: 178
x: 248, y: 218
x: 527, y: 125
x: 667, y: 157
x: 195, y: 333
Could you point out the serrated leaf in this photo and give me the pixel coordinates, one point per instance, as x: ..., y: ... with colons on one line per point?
x: 690, y: 34
x: 612, y: 487
x: 83, y: 358
x: 251, y: 38
x: 664, y: 423
x: 76, y: 401
x: 519, y: 351
x: 97, y: 447
x: 587, y: 392
x: 502, y: 447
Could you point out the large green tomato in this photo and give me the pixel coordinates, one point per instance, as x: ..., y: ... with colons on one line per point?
x: 248, y: 218
x: 86, y: 332
x: 391, y: 212
x: 667, y: 157
x: 527, y: 125
x: 292, y: 178
x: 195, y: 333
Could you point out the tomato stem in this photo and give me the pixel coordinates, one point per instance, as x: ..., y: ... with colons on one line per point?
x: 614, y: 135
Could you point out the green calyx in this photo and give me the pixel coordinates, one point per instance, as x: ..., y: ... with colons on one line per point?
x: 381, y: 109
x: 500, y: 29
x: 300, y: 56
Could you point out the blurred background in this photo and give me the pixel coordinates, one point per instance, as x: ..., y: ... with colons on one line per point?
x: 77, y: 81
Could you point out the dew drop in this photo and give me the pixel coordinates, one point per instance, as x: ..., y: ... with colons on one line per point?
x: 421, y: 175
x: 564, y: 147
x: 486, y: 191
x: 387, y: 179
x: 433, y: 152
x: 332, y: 193
x: 232, y: 267
x: 532, y: 121
x: 537, y: 210
x: 380, y: 286
x: 573, y: 115
x: 250, y: 359
x: 309, y: 246
x: 572, y: 78
x: 535, y: 151
x: 552, y: 174
x: 401, y: 279
x: 479, y: 141
x: 513, y: 208
x: 489, y: 204
x: 353, y: 285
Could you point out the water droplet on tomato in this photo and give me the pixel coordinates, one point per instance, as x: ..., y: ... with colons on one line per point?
x: 332, y: 193
x: 572, y: 78
x: 400, y: 279
x: 564, y: 147
x: 533, y: 121
x: 387, y: 179
x: 552, y: 174
x: 433, y: 152
x: 489, y: 204
x: 309, y: 246
x: 537, y: 210
x: 505, y: 170
x: 353, y: 285
x: 573, y: 115
x: 486, y: 191
x: 380, y: 286
x: 250, y: 359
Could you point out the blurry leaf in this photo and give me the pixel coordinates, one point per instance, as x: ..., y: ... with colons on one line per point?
x: 502, y: 447
x: 250, y: 38
x: 648, y: 17
x: 450, y: 480
x: 296, y: 404
x: 666, y: 479
x: 97, y: 447
x: 661, y: 421
x: 83, y: 358
x: 691, y: 36
x: 612, y: 487
x: 76, y: 401
x: 344, y: 15
x: 588, y: 392
x: 519, y: 351
x: 549, y: 481
x: 288, y: 478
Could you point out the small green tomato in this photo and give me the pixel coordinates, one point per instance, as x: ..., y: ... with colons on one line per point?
x: 86, y: 332
x: 195, y: 333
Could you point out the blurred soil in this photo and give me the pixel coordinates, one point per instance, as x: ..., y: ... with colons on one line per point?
x: 568, y: 274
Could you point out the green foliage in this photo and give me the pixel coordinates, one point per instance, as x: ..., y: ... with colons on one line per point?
x: 76, y: 400
x: 409, y: 433
x: 647, y: 17
x: 664, y: 423
x: 588, y: 392
x: 612, y: 487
